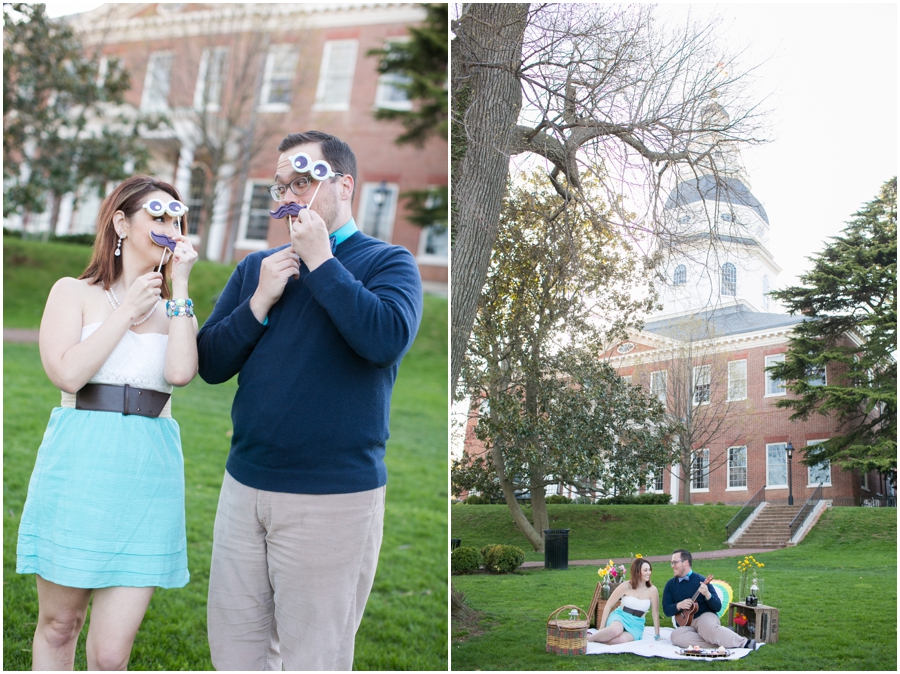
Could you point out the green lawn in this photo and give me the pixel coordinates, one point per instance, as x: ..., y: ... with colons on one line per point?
x: 405, y: 624
x: 600, y: 532
x: 836, y: 593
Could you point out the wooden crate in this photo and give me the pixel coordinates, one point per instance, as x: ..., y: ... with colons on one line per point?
x: 764, y: 620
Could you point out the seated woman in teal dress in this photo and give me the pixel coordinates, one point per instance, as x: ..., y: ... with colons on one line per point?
x: 632, y: 600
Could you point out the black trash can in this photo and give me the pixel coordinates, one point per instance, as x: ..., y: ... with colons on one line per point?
x: 556, y: 549
x: 454, y: 543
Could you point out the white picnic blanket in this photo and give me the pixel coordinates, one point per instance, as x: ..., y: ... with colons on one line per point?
x: 649, y: 648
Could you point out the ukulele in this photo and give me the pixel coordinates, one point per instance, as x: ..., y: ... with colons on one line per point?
x: 685, y: 617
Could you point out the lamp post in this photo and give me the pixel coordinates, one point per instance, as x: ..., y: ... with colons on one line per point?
x: 380, y: 198
x: 790, y: 453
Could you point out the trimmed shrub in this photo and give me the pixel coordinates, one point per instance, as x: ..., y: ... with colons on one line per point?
x: 502, y: 558
x: 465, y: 560
x: 641, y: 499
x: 475, y: 499
x: 557, y: 498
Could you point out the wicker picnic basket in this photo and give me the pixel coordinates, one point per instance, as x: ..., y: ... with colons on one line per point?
x: 566, y: 636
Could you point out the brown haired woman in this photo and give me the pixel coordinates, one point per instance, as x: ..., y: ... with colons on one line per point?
x: 105, y: 507
x: 638, y: 596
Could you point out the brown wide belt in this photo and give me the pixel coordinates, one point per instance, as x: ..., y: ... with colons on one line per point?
x: 633, y: 611
x: 122, y: 399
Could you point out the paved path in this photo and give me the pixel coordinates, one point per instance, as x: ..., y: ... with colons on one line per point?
x: 16, y: 335
x: 708, y: 554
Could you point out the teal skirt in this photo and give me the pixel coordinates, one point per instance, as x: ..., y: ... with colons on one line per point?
x: 632, y: 624
x: 105, y: 504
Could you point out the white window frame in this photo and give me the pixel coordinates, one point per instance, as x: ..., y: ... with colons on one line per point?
x: 734, y: 379
x: 327, y: 75
x: 703, y: 454
x: 242, y: 241
x: 656, y: 475
x: 728, y: 286
x: 729, y: 487
x: 284, y: 56
x: 429, y: 258
x: 809, y: 469
x: 388, y: 214
x: 655, y: 389
x: 388, y: 82
x: 149, y: 101
x: 700, y: 373
x: 212, y: 102
x: 823, y: 378
x: 679, y: 280
x: 772, y: 388
x: 770, y: 464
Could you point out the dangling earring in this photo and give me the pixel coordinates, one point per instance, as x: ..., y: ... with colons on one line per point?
x: 119, y: 246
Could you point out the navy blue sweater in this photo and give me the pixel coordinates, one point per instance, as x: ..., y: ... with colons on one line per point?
x: 675, y: 592
x: 312, y: 407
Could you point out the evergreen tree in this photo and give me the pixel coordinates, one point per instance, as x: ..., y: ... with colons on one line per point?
x: 421, y: 64
x: 53, y: 93
x: 850, y: 301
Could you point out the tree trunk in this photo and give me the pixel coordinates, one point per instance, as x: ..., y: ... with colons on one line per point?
x: 536, y: 539
x: 489, y: 33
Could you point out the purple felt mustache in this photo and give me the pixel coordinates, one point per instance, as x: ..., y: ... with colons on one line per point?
x: 163, y: 240
x: 286, y: 210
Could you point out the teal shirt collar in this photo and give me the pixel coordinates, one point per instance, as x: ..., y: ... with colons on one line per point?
x: 344, y: 233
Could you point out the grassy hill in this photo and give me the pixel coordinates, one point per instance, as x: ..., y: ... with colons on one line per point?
x: 836, y: 594
x: 30, y: 268
x: 600, y: 532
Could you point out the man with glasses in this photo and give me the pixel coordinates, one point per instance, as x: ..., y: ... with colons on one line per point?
x: 705, y: 631
x: 316, y: 331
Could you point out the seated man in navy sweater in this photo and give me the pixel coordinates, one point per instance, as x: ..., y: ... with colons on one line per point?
x: 705, y: 630
x: 315, y: 331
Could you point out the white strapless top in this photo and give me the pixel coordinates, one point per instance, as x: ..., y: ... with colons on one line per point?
x: 138, y: 360
x: 636, y: 604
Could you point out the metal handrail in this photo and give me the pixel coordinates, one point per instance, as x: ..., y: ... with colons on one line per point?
x: 805, y: 510
x: 744, y: 513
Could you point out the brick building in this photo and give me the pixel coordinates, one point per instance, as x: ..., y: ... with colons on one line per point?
x: 266, y: 70
x: 705, y: 353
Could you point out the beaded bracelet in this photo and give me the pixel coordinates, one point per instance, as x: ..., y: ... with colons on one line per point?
x: 179, y: 307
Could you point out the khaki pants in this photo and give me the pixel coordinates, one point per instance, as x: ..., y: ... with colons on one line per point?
x: 290, y: 577
x: 706, y: 632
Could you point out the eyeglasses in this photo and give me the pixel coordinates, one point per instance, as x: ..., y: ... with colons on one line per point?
x: 674, y: 563
x: 156, y: 207
x: 299, y: 186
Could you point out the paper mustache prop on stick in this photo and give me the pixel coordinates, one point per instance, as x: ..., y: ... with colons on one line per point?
x: 286, y: 211
x: 164, y: 241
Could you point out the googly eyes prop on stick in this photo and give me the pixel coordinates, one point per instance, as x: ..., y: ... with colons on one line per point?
x: 164, y: 241
x: 156, y: 207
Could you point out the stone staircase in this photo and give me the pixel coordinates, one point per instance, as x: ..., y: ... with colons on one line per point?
x: 770, y: 528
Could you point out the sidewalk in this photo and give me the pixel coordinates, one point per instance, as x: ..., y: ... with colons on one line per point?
x: 16, y: 335
x: 703, y: 554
